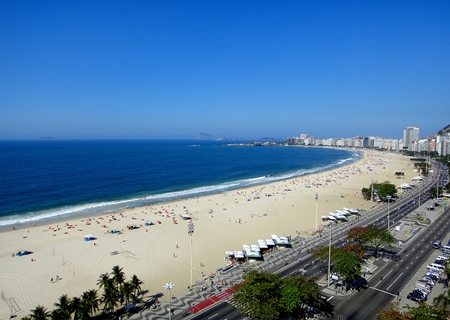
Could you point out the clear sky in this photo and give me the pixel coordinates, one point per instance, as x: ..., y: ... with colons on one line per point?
x: 243, y: 69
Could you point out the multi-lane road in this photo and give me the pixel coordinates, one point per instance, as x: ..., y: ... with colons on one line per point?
x: 395, y: 274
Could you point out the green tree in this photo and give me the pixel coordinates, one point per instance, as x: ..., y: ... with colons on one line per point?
x: 378, y: 238
x: 267, y: 296
x: 126, y: 292
x: 426, y: 312
x: 434, y: 192
x: 76, y: 308
x: 110, y: 299
x: 259, y: 295
x: 346, y: 260
x: 63, y: 308
x: 39, y: 313
x: 447, y: 274
x: 136, y: 285
x: 442, y: 301
x: 104, y: 280
x: 90, y: 302
x: 118, y: 276
x: 347, y: 265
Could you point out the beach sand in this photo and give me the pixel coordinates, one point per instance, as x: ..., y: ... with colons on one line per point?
x: 160, y: 253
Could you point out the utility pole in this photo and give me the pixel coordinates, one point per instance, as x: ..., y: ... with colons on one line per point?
x: 317, y: 197
x: 190, y: 233
x: 329, y: 257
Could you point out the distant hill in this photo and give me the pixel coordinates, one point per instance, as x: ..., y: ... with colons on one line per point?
x: 204, y: 136
x: 445, y: 130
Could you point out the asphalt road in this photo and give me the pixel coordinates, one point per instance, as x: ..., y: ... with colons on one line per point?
x: 395, y: 274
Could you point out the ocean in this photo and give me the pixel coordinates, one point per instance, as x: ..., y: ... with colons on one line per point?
x: 50, y: 179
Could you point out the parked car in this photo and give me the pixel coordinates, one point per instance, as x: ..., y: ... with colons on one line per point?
x: 416, y: 296
x: 429, y: 281
x: 437, y: 244
x: 431, y: 275
x: 423, y: 292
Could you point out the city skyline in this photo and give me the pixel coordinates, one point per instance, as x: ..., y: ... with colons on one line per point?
x: 171, y: 70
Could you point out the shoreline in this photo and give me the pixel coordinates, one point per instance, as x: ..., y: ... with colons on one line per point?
x: 142, y: 202
x: 160, y: 253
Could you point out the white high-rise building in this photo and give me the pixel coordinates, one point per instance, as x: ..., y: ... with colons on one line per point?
x: 410, y: 137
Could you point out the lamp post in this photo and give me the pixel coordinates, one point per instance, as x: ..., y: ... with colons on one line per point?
x: 317, y: 197
x: 190, y: 233
x: 169, y: 286
x: 389, y: 217
x: 329, y: 257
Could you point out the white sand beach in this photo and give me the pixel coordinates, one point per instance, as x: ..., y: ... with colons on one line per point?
x: 160, y: 253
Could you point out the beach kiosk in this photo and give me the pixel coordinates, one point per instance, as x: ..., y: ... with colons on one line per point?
x: 270, y: 243
x: 280, y: 241
x: 262, y: 245
x: 89, y: 237
x: 249, y: 253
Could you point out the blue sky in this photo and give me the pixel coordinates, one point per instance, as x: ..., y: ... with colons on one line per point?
x: 243, y: 69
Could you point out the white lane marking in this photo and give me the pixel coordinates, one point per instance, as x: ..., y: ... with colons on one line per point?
x: 394, y: 281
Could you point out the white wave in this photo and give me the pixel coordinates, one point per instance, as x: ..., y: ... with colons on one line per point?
x: 108, y: 206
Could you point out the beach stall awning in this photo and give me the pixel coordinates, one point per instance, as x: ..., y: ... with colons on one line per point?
x: 249, y: 253
x: 280, y: 240
x: 254, y: 247
x: 229, y: 253
x: 239, y: 254
x: 262, y: 244
x: 270, y: 242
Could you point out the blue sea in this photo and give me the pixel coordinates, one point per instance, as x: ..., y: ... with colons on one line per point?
x: 50, y: 179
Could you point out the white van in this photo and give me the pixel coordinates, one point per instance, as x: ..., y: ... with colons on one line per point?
x: 442, y: 258
x: 436, y: 266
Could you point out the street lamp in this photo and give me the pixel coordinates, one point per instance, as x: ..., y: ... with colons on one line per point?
x: 317, y: 197
x: 190, y: 233
x: 169, y: 286
x: 389, y: 217
x: 329, y: 257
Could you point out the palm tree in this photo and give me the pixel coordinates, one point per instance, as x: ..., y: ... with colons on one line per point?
x: 63, y: 308
x: 90, y: 301
x: 110, y: 299
x: 40, y: 313
x: 443, y: 300
x: 126, y: 292
x: 26, y: 318
x: 103, y: 280
x: 76, y: 308
x: 136, y: 285
x: 118, y: 276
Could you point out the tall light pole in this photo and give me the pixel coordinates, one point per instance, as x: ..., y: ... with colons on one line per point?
x: 317, y: 197
x: 389, y: 217
x: 190, y: 233
x: 329, y: 257
x: 169, y: 286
